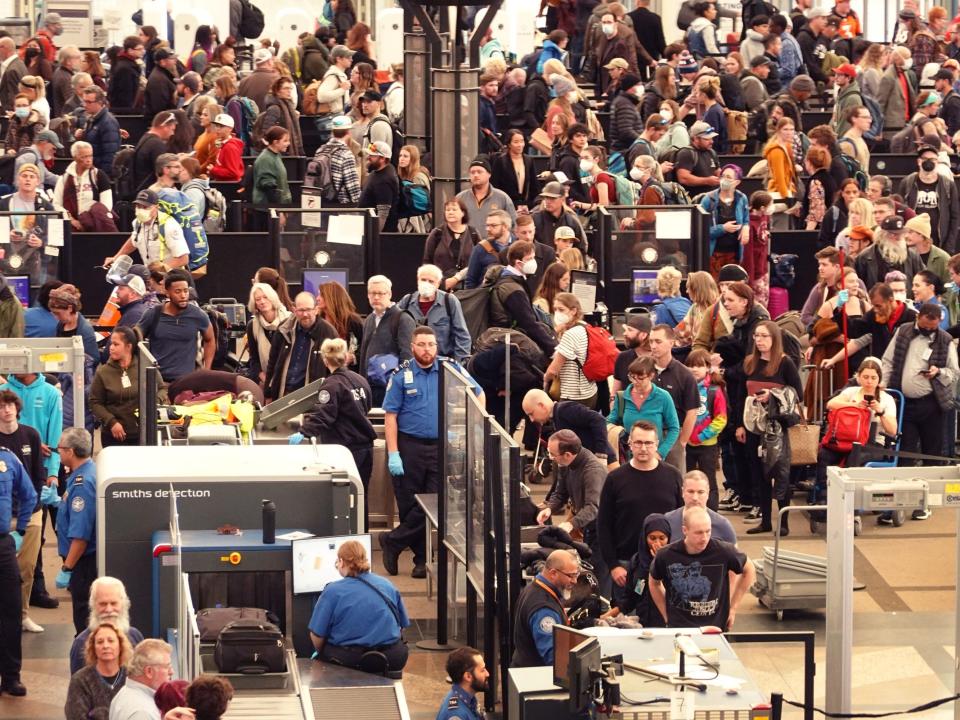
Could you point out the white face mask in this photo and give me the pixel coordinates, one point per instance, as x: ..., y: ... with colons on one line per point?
x: 908, y: 63
x: 608, y: 29
x: 727, y: 184
x: 666, y: 114
x: 426, y: 290
x: 143, y: 215
x: 572, y: 97
x: 560, y: 319
x: 586, y: 165
x: 529, y: 267
x: 636, y: 174
x: 900, y: 295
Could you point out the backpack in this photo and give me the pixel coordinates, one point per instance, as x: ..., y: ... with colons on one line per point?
x: 737, y: 123
x: 696, y: 43
x: 628, y: 192
x: 320, y: 176
x: 783, y: 270
x: 177, y: 205
x: 414, y: 200
x: 617, y: 163
x: 602, y: 354
x: 906, y: 140
x: 257, y: 133
x: 519, y: 342
x: 221, y: 332
x: 686, y: 15
x: 675, y: 194
x: 398, y: 140
x: 248, y: 118
x: 854, y: 169
x: 791, y: 327
x: 122, y: 172
x: 215, y: 213
x: 846, y: 426
x: 475, y: 304
x: 876, y: 114
x: 251, y: 20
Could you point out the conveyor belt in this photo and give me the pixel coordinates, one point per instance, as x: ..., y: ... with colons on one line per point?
x: 257, y: 706
x: 356, y: 703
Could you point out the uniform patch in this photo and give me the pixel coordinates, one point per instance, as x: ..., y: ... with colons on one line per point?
x: 77, y: 505
x: 453, y: 702
x: 547, y: 623
x: 78, y: 480
x: 324, y: 397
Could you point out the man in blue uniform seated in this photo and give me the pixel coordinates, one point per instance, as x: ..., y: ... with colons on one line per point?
x: 15, y: 489
x: 77, y: 522
x: 358, y: 614
x: 540, y: 607
x: 470, y: 676
x: 412, y: 407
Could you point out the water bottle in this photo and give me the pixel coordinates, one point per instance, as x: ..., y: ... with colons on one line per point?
x: 269, y: 522
x: 120, y: 267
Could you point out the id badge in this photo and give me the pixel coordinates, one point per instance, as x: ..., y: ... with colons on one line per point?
x: 927, y: 354
x: 125, y: 382
x: 407, y: 377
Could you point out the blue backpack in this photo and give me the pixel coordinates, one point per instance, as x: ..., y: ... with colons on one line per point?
x: 414, y: 200
x: 696, y: 44
x: 177, y: 205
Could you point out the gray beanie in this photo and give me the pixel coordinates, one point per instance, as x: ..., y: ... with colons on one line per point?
x: 803, y: 83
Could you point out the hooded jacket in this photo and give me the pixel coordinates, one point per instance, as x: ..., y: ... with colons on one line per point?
x: 625, y: 122
x: 707, y: 32
x: 314, y: 62
x: 751, y: 46
x: 125, y: 76
x: 43, y: 411
x: 229, y: 163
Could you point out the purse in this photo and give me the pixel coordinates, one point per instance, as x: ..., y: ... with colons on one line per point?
x: 805, y: 436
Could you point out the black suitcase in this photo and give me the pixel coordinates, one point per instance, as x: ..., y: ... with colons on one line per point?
x: 250, y: 647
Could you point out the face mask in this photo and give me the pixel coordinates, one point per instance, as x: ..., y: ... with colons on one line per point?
x: 426, y: 290
x: 636, y: 174
x: 572, y: 97
x: 586, y: 165
x: 560, y: 319
x: 908, y: 63
x: 928, y: 165
x: 900, y: 295
x: 608, y: 30
x: 143, y: 215
x: 31, y: 53
x: 529, y: 267
x: 726, y: 184
x: 666, y: 114
x: 22, y: 112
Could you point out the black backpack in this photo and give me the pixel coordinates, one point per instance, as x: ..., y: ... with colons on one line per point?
x: 398, y: 139
x: 320, y: 176
x: 251, y: 20
x: 124, y: 183
x: 221, y: 332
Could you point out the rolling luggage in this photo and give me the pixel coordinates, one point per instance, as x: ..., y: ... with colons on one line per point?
x: 250, y: 647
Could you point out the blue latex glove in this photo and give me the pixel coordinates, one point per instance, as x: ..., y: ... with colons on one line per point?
x: 17, y: 540
x: 842, y: 298
x: 295, y: 439
x: 48, y: 496
x: 394, y: 463
x: 63, y: 578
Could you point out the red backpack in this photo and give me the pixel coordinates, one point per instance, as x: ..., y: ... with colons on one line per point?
x: 846, y: 426
x: 601, y: 354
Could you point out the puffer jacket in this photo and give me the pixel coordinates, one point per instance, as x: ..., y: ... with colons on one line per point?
x: 314, y: 62
x: 103, y: 132
x: 625, y: 122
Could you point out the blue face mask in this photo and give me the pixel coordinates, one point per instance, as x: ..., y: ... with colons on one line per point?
x: 22, y: 112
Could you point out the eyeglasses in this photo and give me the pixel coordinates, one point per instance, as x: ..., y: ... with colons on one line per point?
x: 643, y: 443
x: 571, y: 575
x: 378, y: 293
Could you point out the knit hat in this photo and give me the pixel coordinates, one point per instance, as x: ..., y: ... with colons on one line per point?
x: 629, y: 81
x: 481, y: 161
x: 66, y: 295
x: 803, y: 83
x: 732, y: 273
x: 919, y: 224
x: 562, y: 85
x: 687, y: 64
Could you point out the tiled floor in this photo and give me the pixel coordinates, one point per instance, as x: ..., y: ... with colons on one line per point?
x: 903, y: 628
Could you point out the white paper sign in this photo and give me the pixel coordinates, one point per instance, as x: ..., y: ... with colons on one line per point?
x: 310, y: 202
x: 51, y: 251
x: 673, y: 224
x: 4, y: 228
x: 345, y: 229
x: 55, y: 233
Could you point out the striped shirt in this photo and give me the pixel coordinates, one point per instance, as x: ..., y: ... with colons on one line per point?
x: 573, y: 347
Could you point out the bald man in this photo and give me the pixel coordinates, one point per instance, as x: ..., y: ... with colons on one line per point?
x: 589, y: 425
x: 540, y: 607
x: 699, y: 581
x: 11, y: 70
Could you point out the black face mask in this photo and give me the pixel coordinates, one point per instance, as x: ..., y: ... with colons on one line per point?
x: 928, y: 165
x: 31, y: 53
x: 926, y: 332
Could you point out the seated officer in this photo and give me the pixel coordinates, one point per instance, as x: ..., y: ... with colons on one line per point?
x: 540, y: 607
x: 470, y: 676
x: 360, y: 613
x: 77, y: 522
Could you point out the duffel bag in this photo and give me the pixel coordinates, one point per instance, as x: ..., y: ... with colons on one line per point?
x: 212, y: 621
x: 250, y: 647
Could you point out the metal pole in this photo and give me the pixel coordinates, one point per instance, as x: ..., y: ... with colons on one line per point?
x: 840, y: 500
x: 506, y: 410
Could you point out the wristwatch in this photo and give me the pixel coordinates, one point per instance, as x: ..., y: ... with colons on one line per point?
x: 64, y: 568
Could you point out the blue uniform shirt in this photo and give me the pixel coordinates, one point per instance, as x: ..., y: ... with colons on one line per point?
x: 459, y: 705
x: 15, y: 482
x: 413, y: 395
x: 351, y: 613
x: 77, y: 519
x: 541, y: 625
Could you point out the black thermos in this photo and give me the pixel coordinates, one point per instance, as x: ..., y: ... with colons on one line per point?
x: 269, y: 522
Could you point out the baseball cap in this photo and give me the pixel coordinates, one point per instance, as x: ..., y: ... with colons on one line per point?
x: 191, y: 80
x: 943, y: 74
x: 925, y: 148
x: 341, y: 122
x: 640, y: 321
x: 224, y: 119
x: 860, y: 232
x: 163, y: 54
x: 140, y: 271
x: 552, y: 189
x: 372, y: 95
x: 380, y: 149
x: 564, y: 233
x: 846, y: 69
x: 617, y: 63
x: 702, y: 129
x: 894, y: 223
x: 134, y: 282
x: 261, y: 56
x: 760, y: 60
x: 341, y: 51
x: 146, y: 197
x: 50, y: 137
x: 818, y: 12
x: 907, y: 14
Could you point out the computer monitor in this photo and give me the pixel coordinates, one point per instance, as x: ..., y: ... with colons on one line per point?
x: 20, y: 286
x: 313, y: 278
x: 585, y: 660
x: 564, y: 640
x: 314, y: 561
x: 644, y: 286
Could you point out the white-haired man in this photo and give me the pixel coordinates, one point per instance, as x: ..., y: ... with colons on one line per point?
x: 387, y: 333
x: 441, y: 310
x: 149, y: 668
x: 109, y: 603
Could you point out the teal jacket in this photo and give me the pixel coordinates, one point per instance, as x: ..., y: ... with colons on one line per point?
x: 270, y: 186
x: 658, y: 408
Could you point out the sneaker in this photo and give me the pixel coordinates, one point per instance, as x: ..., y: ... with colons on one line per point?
x: 885, y: 519
x: 731, y: 503
x: 921, y: 514
x: 30, y: 626
x: 747, y: 508
x: 727, y: 496
x: 753, y: 515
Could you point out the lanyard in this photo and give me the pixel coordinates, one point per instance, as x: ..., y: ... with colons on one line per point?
x: 563, y: 612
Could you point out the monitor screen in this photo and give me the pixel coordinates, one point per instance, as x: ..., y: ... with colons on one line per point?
x: 313, y: 278
x: 644, y: 287
x: 314, y: 561
x: 564, y: 640
x: 20, y: 286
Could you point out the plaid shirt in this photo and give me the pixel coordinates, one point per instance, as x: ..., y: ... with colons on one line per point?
x: 343, y: 171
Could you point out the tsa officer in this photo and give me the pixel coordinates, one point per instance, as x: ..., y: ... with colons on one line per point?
x: 540, y: 607
x: 411, y: 407
x: 470, y: 676
x: 339, y: 416
x: 16, y: 489
x: 77, y: 532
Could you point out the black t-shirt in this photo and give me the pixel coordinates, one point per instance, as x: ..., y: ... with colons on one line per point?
x: 622, y: 364
x: 149, y: 148
x: 701, y: 163
x: 697, y: 586
x: 382, y: 189
x: 928, y: 201
x: 677, y: 380
x: 25, y: 444
x: 628, y: 496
